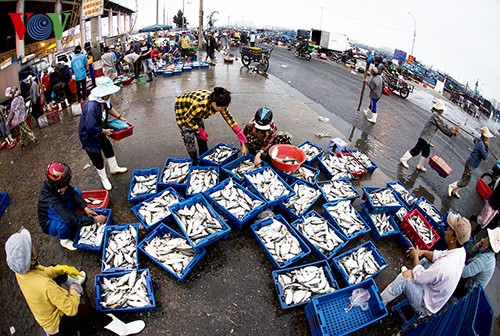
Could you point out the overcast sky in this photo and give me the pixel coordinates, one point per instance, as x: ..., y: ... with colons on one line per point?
x: 459, y: 37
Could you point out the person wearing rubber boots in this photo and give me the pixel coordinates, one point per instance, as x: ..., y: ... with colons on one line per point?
x: 147, y: 62
x: 375, y: 85
x: 192, y: 107
x: 93, y: 129
x: 53, y: 293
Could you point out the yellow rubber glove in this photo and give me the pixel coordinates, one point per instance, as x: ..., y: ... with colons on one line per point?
x: 69, y: 270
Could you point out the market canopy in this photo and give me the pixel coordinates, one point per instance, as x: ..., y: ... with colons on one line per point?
x: 154, y: 28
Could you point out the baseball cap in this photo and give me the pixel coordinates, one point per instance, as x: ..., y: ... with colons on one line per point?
x: 461, y: 226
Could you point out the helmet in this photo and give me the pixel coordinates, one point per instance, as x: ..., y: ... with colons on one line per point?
x: 58, y: 174
x: 263, y: 118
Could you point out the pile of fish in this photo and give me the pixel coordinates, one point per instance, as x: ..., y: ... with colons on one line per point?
x: 220, y: 154
x: 201, y: 180
x: 352, y: 164
x: 383, y: 197
x: 362, y: 158
x: 174, y: 253
x: 126, y: 291
x: 197, y: 221
x: 157, y: 209
x: 301, y: 284
x: 335, y: 166
x: 176, y: 172
x: 279, y: 241
x: 244, y: 167
x: 91, y: 234
x: 430, y: 210
x: 304, y: 197
x: 359, y: 265
x: 268, y: 184
x: 235, y: 200
x: 286, y: 159
x: 404, y: 193
x: 303, y: 174
x: 310, y: 151
x: 423, y: 231
x: 335, y: 190
x: 92, y: 200
x: 317, y: 231
x: 382, y: 223
x: 121, y: 249
x: 401, y: 213
x: 346, y: 216
x: 144, y: 184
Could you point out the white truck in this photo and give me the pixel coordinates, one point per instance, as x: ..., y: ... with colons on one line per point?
x: 328, y: 43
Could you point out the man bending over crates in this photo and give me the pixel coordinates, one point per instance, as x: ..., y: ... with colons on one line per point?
x: 432, y: 280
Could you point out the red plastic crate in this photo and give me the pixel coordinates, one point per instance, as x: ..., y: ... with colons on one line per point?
x: 102, y: 195
x: 118, y: 135
x: 483, y: 189
x: 358, y: 173
x: 413, y: 235
x: 440, y: 166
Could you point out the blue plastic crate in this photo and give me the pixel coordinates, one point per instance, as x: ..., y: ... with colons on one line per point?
x: 214, y: 237
x: 136, y: 208
x: 376, y: 255
x: 400, y: 197
x: 427, y: 216
x: 142, y: 172
x: 98, y: 291
x: 326, y: 314
x: 403, y: 240
x: 292, y: 212
x: 232, y: 219
x: 168, y: 73
x: 178, y: 186
x: 160, y: 71
x: 305, y: 249
x: 254, y: 189
x: 107, y: 232
x: 4, y: 201
x: 196, y: 65
x: 204, y: 65
x: 281, y: 293
x: 109, y: 221
x: 316, y: 251
x: 290, y: 179
x: 342, y: 180
x: 323, y: 169
x: 206, y: 162
x: 333, y: 220
x: 311, y: 159
x: 235, y: 163
x: 375, y: 233
x: 369, y: 168
x: 397, y: 218
x: 187, y: 69
x: 162, y: 230
x: 379, y: 208
x: 216, y: 169
x: 478, y: 320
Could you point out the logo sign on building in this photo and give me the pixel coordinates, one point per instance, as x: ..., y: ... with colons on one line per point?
x: 39, y: 26
x: 410, y: 59
x: 92, y: 8
x: 400, y: 55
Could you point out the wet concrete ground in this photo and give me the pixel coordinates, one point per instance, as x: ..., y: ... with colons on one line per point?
x: 230, y: 291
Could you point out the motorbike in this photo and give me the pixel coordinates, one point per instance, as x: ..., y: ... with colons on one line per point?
x: 493, y: 175
x: 335, y: 56
x: 303, y: 53
x: 290, y: 45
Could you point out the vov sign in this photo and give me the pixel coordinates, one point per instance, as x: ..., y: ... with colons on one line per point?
x: 39, y: 26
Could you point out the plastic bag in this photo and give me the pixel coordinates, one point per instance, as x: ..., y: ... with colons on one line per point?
x: 359, y: 298
x: 117, y: 125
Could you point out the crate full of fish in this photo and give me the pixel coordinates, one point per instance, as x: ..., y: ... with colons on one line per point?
x: 235, y: 202
x: 305, y: 174
x: 303, y: 200
x: 120, y: 247
x: 379, y: 199
x: 4, y: 201
x: 268, y: 185
x: 311, y: 150
x: 333, y: 167
x: 324, y: 239
x: 419, y: 231
x: 201, y: 179
x: 199, y: 222
x: 354, y: 166
x: 175, y: 173
x: 296, y: 286
x: 171, y: 251
x: 143, y: 185
x: 90, y: 237
x: 398, y: 215
x: 332, y: 314
x: 368, y: 163
x: 337, y: 189
x: 96, y: 199
x: 382, y: 224
x: 345, y: 218
x: 155, y: 209
x: 429, y: 211
x: 219, y: 155
x: 360, y: 263
x: 236, y: 168
x: 125, y: 291
x: 402, y: 193
x: 281, y: 244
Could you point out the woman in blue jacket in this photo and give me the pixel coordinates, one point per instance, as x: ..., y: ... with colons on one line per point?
x: 93, y: 129
x: 479, y: 153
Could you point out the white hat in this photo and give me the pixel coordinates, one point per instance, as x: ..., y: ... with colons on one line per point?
x: 112, y: 46
x: 104, y: 87
x: 439, y: 105
x: 494, y: 237
x: 486, y: 132
x: 18, y: 251
x: 8, y: 91
x: 29, y: 79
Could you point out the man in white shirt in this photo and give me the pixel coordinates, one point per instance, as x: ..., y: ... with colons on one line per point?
x: 252, y: 39
x: 431, y: 282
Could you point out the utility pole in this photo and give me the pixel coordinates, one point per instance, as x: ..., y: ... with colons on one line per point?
x: 200, y: 31
x: 164, y: 10
x: 157, y: 11
x: 182, y: 24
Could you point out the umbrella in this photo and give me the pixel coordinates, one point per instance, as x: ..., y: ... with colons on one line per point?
x: 154, y: 28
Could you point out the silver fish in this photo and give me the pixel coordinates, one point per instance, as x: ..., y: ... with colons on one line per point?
x: 346, y: 216
x: 317, y: 231
x: 382, y: 223
x: 279, y: 241
x: 220, y: 154
x: 176, y: 172
x: 419, y: 226
x: 362, y: 158
x: 92, y: 200
x: 335, y: 190
x: 143, y: 184
x: 235, y: 200
x: 245, y: 167
x: 157, y: 208
x: 126, y: 291
x: 197, y: 221
x: 121, y: 249
x: 303, y: 174
x: 359, y: 265
x: 351, y: 163
x: 335, y: 166
x: 91, y: 234
x: 383, y: 197
x: 310, y: 151
x: 430, y: 210
x: 201, y: 180
x: 405, y: 194
x: 304, y: 197
x: 401, y: 213
x: 268, y: 184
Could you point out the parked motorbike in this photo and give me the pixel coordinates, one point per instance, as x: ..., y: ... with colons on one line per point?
x: 335, y: 56
x: 303, y: 52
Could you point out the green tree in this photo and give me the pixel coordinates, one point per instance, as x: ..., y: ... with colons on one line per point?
x: 178, y: 20
x: 211, y: 20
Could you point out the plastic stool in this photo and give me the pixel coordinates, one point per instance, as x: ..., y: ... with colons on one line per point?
x: 407, y: 322
x: 336, y: 145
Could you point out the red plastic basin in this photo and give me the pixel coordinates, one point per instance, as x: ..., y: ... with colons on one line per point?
x: 483, y: 189
x: 287, y: 151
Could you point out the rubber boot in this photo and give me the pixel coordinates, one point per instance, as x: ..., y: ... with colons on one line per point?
x: 104, y: 179
x: 366, y: 111
x: 113, y: 166
x: 373, y: 119
x: 68, y: 244
x: 453, y: 189
x: 194, y: 157
x: 404, y: 159
x: 421, y: 163
x: 150, y: 77
x: 60, y: 106
x: 121, y: 328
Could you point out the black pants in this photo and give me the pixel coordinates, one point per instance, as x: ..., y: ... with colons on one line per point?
x: 106, y: 148
x: 137, y: 68
x: 68, y: 93
x: 81, y: 89
x: 421, y: 146
x: 85, y: 317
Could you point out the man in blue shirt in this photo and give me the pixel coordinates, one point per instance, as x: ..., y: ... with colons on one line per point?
x: 79, y: 65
